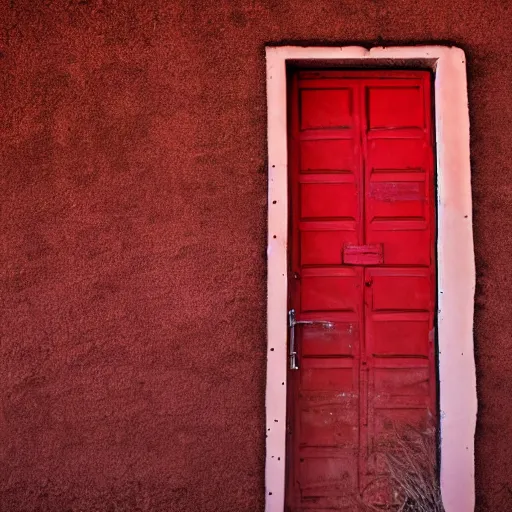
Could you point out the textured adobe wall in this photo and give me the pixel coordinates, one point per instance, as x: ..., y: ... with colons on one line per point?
x: 133, y: 203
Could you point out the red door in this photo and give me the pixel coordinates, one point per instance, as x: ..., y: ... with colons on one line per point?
x: 362, y: 283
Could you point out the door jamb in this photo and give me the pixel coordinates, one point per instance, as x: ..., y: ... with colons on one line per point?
x: 455, y: 257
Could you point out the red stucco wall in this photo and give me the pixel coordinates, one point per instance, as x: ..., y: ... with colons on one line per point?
x: 132, y: 264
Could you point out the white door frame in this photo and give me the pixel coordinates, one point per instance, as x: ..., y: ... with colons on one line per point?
x: 455, y: 257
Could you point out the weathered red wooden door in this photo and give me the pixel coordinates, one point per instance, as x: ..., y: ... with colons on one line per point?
x: 362, y: 258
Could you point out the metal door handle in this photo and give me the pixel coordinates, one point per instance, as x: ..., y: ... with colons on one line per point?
x: 291, y: 326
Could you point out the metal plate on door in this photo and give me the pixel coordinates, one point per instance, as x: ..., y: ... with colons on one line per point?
x: 371, y: 254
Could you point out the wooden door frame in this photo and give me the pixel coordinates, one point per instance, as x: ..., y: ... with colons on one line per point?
x: 455, y: 256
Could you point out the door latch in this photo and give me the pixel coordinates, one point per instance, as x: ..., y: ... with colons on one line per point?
x: 291, y: 326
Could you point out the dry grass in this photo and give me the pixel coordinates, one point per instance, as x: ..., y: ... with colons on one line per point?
x: 411, y: 459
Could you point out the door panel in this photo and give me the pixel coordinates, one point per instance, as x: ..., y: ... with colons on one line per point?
x: 399, y: 289
x: 393, y: 335
x: 330, y: 289
x: 317, y: 108
x: 397, y: 155
x: 397, y: 243
x: 321, y: 200
x: 362, y: 258
x: 395, y: 106
x: 340, y: 339
x: 322, y: 247
x: 327, y: 155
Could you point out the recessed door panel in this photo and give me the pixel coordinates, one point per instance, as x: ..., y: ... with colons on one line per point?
x: 330, y: 155
x: 328, y: 200
x: 323, y: 246
x: 340, y: 339
x: 325, y: 108
x: 396, y: 335
x: 330, y: 290
x: 399, y: 106
x: 397, y: 155
x: 400, y: 290
x: 397, y: 240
